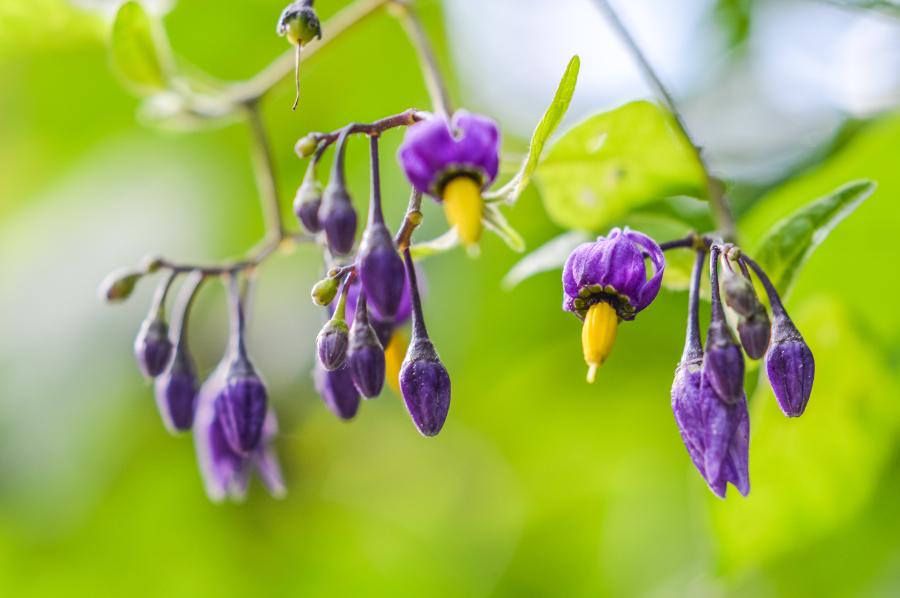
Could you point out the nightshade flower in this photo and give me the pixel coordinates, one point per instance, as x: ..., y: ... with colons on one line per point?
x: 226, y: 472
x: 454, y: 160
x: 606, y: 281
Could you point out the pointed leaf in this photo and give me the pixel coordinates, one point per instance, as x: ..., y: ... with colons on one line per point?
x: 136, y: 55
x: 496, y: 222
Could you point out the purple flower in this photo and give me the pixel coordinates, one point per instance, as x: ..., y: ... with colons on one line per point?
x: 152, y: 347
x: 337, y: 390
x: 241, y: 406
x: 226, y: 472
x: 365, y: 356
x: 437, y: 150
x: 176, y: 393
x: 454, y: 161
x: 612, y: 270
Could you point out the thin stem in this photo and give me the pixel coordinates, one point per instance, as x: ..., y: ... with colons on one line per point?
x: 693, y: 348
x: 296, y: 77
x: 255, y: 88
x: 718, y: 312
x: 264, y: 164
x: 411, y: 220
x: 257, y: 257
x: 341, y: 310
x: 375, y: 213
x: 719, y: 203
x: 771, y: 291
x: 337, y: 167
x: 237, y: 317
x: 403, y: 119
x: 437, y: 88
x: 183, y: 306
x: 418, y: 318
x: 158, y: 306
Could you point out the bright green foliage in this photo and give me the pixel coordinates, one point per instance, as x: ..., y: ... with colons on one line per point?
x: 136, y: 55
x: 615, y: 162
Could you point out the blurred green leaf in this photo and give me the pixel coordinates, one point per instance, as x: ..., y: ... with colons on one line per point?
x: 136, y: 54
x: 496, y: 222
x: 789, y: 244
x: 812, y: 474
x: 614, y: 162
x: 445, y: 242
x: 554, y: 114
x: 549, y: 256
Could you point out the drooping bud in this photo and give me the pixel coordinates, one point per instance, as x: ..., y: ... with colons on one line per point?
x: 337, y: 215
x: 118, y: 285
x: 789, y: 361
x: 365, y: 355
x: 299, y: 23
x: 152, y: 347
x: 723, y: 363
x: 334, y: 338
x: 242, y: 402
x: 323, y: 292
x: 754, y: 332
x: 307, y: 203
x: 176, y: 393
x: 424, y: 381
x: 737, y: 291
x: 753, y: 320
x: 381, y: 269
x: 337, y: 390
x: 306, y: 146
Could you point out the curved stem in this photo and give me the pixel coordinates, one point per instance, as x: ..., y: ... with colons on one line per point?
x: 337, y: 167
x: 693, y: 348
x: 237, y: 317
x: 718, y: 202
x: 264, y: 164
x: 771, y: 291
x: 183, y: 307
x: 411, y: 220
x: 158, y: 306
x: 718, y: 312
x: 437, y: 88
x: 418, y: 318
x: 375, y: 213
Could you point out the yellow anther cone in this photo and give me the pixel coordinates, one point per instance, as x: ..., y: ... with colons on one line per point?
x: 394, y: 354
x: 598, y: 335
x: 463, y: 206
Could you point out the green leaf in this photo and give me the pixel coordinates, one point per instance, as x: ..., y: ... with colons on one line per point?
x: 496, y: 222
x: 136, y: 55
x: 549, y: 256
x: 615, y: 162
x: 441, y: 244
x: 554, y: 114
x: 791, y: 241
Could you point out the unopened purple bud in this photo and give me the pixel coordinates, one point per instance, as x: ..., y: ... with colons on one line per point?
x: 332, y: 343
x: 337, y: 391
x: 307, y: 203
x: 338, y: 217
x: 723, y: 363
x: 738, y: 292
x: 754, y: 332
x: 241, y: 406
x: 790, y: 366
x: 381, y: 270
x: 176, y: 393
x: 425, y: 386
x: 365, y: 355
x: 152, y: 347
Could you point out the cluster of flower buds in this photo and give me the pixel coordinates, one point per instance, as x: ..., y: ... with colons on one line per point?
x: 606, y: 281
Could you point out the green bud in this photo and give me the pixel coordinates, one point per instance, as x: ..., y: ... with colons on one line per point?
x: 324, y: 291
x: 306, y: 146
x: 118, y: 285
x: 299, y: 23
x: 151, y: 264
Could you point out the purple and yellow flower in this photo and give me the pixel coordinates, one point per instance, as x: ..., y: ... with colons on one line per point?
x: 226, y: 472
x: 454, y: 160
x: 605, y: 282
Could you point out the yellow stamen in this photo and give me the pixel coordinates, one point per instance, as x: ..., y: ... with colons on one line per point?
x: 394, y: 354
x: 463, y: 206
x: 598, y: 335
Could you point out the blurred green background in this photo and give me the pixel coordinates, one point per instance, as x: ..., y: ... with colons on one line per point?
x: 539, y: 485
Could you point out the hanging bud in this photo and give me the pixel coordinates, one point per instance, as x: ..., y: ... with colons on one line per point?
x: 307, y: 203
x: 365, y: 355
x: 754, y: 332
x: 299, y: 23
x: 306, y: 146
x: 789, y: 361
x: 333, y: 339
x: 176, y: 393
x: 323, y: 292
x: 152, y: 347
x: 381, y: 269
x: 118, y: 285
x: 723, y: 362
x: 338, y: 218
x: 737, y: 291
x: 424, y: 381
x: 242, y: 401
x: 337, y: 390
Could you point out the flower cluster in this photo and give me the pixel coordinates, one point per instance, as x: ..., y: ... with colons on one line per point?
x: 607, y: 281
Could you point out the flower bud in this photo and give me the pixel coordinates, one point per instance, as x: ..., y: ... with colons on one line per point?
x: 381, y: 270
x: 176, y: 393
x: 152, y: 347
x: 790, y: 366
x: 365, y: 355
x: 299, y: 23
x: 323, y: 292
x: 331, y: 344
x: 338, y: 218
x: 337, y: 390
x: 118, y: 285
x: 306, y: 146
x: 723, y: 363
x: 241, y: 406
x: 738, y: 292
x: 754, y: 332
x: 307, y: 203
